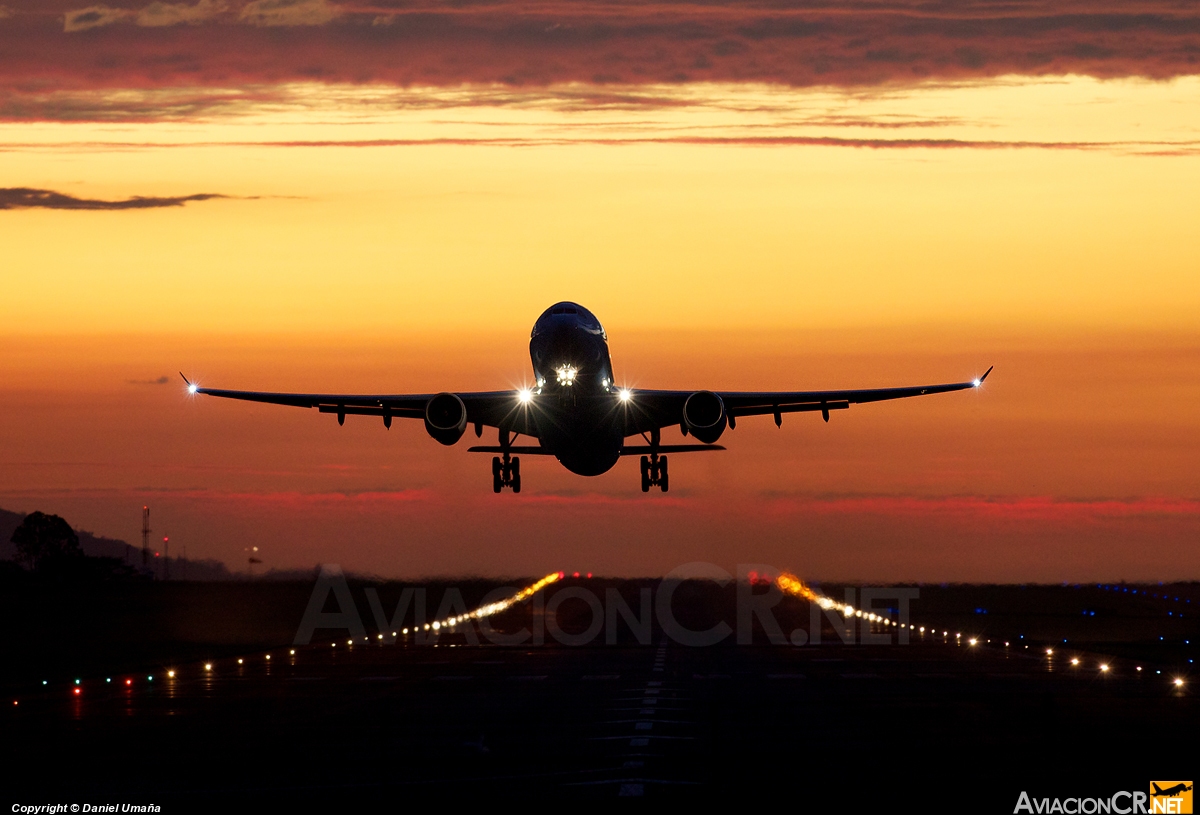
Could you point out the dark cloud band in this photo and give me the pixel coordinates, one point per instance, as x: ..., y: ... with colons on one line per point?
x: 423, y: 43
x: 29, y: 198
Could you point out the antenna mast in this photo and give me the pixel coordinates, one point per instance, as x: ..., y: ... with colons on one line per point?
x: 145, y: 537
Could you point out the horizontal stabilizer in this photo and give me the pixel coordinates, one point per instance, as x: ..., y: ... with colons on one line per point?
x: 643, y: 450
x: 515, y: 450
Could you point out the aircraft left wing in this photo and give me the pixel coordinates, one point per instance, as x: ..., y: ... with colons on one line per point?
x: 653, y: 409
x: 490, y: 408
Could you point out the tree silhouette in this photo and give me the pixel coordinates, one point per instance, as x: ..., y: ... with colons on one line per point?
x: 45, y: 541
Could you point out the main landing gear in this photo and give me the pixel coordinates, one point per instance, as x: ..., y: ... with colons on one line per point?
x: 654, y: 472
x: 506, y: 470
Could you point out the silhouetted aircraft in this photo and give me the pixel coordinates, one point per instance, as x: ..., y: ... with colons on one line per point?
x: 1170, y: 792
x: 575, y: 410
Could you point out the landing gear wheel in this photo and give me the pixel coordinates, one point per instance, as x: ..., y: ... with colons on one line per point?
x: 663, y: 482
x: 497, y: 480
x: 645, y: 474
x: 515, y: 475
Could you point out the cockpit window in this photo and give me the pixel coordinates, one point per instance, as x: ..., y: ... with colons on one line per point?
x: 587, y: 320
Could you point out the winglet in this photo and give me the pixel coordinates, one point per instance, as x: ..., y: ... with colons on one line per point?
x: 185, y: 379
x: 985, y: 374
x: 191, y: 387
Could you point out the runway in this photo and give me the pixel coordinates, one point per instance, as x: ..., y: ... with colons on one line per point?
x: 380, y: 723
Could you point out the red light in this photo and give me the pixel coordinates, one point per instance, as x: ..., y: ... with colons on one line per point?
x: 589, y: 575
x: 156, y: 554
x: 577, y: 574
x: 128, y: 681
x: 14, y: 701
x: 561, y: 575
x: 78, y: 691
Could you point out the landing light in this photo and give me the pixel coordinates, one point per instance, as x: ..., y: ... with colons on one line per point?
x: 525, y: 396
x: 625, y: 395
x: 191, y: 388
x: 976, y: 383
x: 566, y: 374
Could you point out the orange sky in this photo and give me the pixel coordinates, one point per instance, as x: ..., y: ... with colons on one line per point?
x: 729, y: 234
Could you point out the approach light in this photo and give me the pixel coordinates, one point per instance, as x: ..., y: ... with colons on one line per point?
x: 170, y: 674
x: 624, y: 394
x: 1075, y: 661
x: 1139, y: 668
x: 208, y: 666
x: 525, y: 396
x: 1049, y: 652
x: 1103, y: 668
x: 972, y: 641
x: 293, y: 651
x: 268, y: 656
x: 240, y: 660
x: 1178, y: 682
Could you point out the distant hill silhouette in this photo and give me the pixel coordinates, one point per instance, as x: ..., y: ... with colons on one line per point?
x: 97, y: 546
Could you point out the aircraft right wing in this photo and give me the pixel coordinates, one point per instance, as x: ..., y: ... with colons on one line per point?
x: 653, y: 410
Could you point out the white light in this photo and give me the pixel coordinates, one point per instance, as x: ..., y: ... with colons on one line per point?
x: 191, y: 388
x: 1103, y: 667
x: 525, y: 395
x: 566, y: 374
x: 972, y: 641
x: 208, y: 666
x: 625, y: 395
x: 1178, y: 682
x: 977, y: 383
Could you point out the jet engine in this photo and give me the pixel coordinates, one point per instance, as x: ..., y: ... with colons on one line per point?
x: 704, y: 416
x: 445, y: 418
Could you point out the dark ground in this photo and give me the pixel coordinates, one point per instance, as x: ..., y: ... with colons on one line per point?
x: 936, y: 724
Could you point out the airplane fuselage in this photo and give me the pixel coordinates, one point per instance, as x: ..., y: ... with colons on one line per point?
x: 579, y: 416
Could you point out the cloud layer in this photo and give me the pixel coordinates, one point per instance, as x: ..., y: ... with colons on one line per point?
x: 527, y: 44
x: 29, y: 198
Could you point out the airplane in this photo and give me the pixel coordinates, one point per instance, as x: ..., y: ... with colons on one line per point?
x: 1170, y: 792
x: 576, y: 412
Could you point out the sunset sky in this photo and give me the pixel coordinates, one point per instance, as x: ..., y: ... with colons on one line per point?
x: 313, y: 196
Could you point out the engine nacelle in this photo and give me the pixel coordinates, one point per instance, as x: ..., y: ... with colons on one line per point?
x: 704, y: 415
x: 445, y: 418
